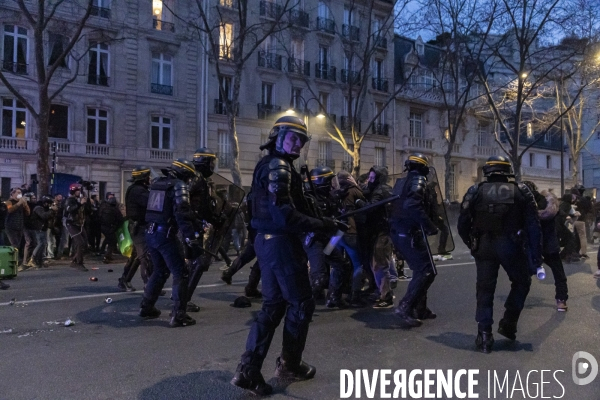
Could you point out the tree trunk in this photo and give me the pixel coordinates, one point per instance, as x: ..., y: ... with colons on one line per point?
x: 43, y: 171
x: 447, y: 159
x: 356, y: 157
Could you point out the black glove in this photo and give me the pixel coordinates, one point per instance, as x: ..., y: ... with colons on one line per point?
x: 360, y: 203
x: 192, y: 248
x: 329, y: 224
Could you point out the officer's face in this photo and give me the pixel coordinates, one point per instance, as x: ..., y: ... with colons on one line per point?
x: 292, y: 144
x: 372, y: 176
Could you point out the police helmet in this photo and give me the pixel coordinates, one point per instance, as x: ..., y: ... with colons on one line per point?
x: 417, y: 161
x: 322, y: 177
x: 183, y: 169
x: 532, y: 186
x: 74, y: 187
x: 497, y: 165
x: 204, y: 161
x: 139, y: 173
x: 283, y: 125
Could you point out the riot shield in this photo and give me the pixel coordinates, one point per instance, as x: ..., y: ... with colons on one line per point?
x: 443, y: 241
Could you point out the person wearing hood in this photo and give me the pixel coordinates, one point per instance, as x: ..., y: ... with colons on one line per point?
x: 374, y: 235
x: 547, y: 210
x: 281, y: 216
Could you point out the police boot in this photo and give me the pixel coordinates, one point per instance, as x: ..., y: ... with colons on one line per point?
x: 226, y: 276
x: 404, y: 312
x: 334, y: 299
x: 180, y: 318
x: 251, y: 289
x: 249, y: 377
x: 317, y: 289
x: 484, y: 342
x: 147, y: 310
x: 508, y: 328
x: 421, y: 311
x: 356, y: 300
x: 192, y: 307
x: 298, y: 371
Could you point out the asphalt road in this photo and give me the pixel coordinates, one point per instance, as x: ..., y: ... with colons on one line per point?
x: 109, y: 353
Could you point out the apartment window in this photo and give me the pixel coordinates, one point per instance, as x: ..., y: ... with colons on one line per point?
x: 380, y: 111
x: 376, y: 26
x: 226, y: 41
x: 14, y: 56
x: 162, y: 11
x: 348, y: 162
x: 483, y: 137
x: 267, y: 93
x: 98, y: 71
x: 378, y: 69
x: 323, y: 10
x: 428, y: 80
x: 547, y: 137
x: 380, y: 156
x: 161, y: 132
x: 162, y: 74
x: 297, y: 49
x: 548, y: 162
x: 416, y: 125
x: 101, y: 8
x: 531, y: 159
x: 452, y: 182
x: 420, y: 48
x: 13, y: 118
x: 324, y: 56
x: 224, y: 148
x: 56, y: 45
x: 58, y: 123
x: 97, y: 126
x: 324, y: 152
x: 529, y: 130
x: 297, y: 102
x: 324, y: 101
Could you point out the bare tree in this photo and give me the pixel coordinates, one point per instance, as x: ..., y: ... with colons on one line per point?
x: 41, y: 17
x: 523, y: 61
x: 232, y: 34
x: 458, y: 25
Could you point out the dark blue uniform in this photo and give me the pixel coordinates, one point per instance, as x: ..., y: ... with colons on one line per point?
x: 498, y: 218
x: 279, y: 217
x: 168, y: 211
x: 408, y: 219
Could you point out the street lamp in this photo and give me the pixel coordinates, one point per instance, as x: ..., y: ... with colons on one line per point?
x: 305, y: 112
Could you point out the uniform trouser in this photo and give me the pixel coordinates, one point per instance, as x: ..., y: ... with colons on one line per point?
x: 286, y: 293
x: 40, y: 247
x: 248, y: 254
x: 319, y: 269
x: 580, y: 231
x: 139, y: 258
x: 166, y: 259
x: 78, y: 241
x: 415, y: 254
x: 493, y: 252
x: 348, y: 242
x: 339, y: 269
x: 560, y: 278
x: 110, y: 238
x: 30, y: 243
x: 381, y: 261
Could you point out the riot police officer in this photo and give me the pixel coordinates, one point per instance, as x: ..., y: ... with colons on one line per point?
x: 203, y: 205
x: 280, y: 217
x: 325, y: 181
x: 408, y: 221
x: 136, y: 200
x: 75, y: 222
x: 498, y: 221
x: 168, y: 211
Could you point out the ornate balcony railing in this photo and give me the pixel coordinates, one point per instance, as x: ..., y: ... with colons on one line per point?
x: 270, y: 10
x: 420, y: 143
x: 351, y: 77
x: 14, y: 67
x: 325, y: 162
x: 269, y: 60
x: 225, y: 161
x: 348, y: 166
x: 97, y: 149
x: 326, y: 25
x: 160, y: 25
x: 380, y: 84
x: 381, y: 42
x: 298, y: 66
x: 226, y: 52
x: 161, y: 89
x: 101, y: 12
x: 380, y: 129
x: 299, y: 18
x: 350, y: 32
x: 346, y: 123
x: 324, y: 71
x: 156, y: 154
x: 99, y: 80
x: 265, y: 110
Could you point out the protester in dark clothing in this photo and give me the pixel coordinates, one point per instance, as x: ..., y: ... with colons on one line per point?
x: 566, y: 237
x: 29, y: 234
x: 547, y: 210
x: 42, y: 214
x: 110, y: 220
x: 74, y: 210
x: 16, y: 211
x: 92, y: 224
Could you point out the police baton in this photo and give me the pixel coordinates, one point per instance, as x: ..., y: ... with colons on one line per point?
x: 370, y: 206
x: 428, y: 250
